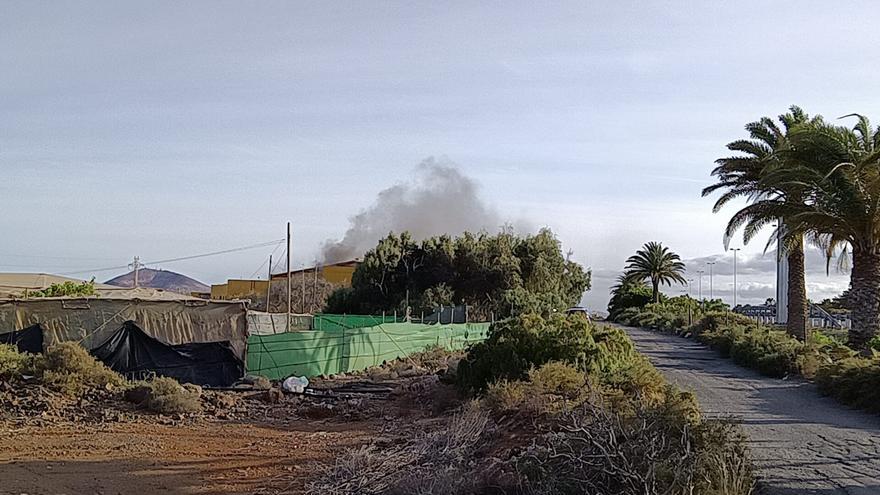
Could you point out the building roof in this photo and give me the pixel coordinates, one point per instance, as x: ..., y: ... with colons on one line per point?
x: 13, y: 286
x: 350, y: 263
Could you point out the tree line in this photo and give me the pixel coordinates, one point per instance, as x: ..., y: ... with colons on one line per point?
x: 494, y: 275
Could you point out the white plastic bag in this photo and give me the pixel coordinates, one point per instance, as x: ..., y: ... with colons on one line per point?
x: 295, y: 384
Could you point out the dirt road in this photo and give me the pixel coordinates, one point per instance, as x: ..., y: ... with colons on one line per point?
x: 802, y: 443
x: 205, y: 458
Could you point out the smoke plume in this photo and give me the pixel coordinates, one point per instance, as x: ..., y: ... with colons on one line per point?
x: 440, y: 200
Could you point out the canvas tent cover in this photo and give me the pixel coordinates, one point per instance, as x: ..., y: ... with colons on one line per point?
x: 28, y: 340
x: 92, y: 321
x: 134, y: 354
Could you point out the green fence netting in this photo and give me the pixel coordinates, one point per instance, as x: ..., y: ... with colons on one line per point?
x: 318, y: 352
x: 346, y: 322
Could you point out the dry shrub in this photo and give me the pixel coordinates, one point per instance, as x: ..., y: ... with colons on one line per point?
x: 12, y: 362
x: 723, y: 465
x: 559, y: 379
x: 167, y: 396
x: 68, y: 368
x: 434, y: 358
x: 504, y: 395
x: 434, y: 463
x: 262, y: 383
x: 595, y: 450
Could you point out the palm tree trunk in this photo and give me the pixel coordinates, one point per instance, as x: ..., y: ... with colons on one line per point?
x: 655, y: 284
x: 797, y: 293
x: 865, y: 298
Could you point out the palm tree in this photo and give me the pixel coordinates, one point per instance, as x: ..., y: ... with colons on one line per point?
x: 838, y: 171
x: 657, y: 263
x: 744, y: 176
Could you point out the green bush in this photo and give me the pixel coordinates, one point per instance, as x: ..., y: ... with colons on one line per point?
x: 12, y: 362
x: 68, y: 368
x: 519, y: 344
x: 854, y: 381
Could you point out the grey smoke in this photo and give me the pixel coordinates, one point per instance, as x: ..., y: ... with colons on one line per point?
x: 440, y: 200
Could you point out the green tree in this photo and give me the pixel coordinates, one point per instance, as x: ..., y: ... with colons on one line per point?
x: 656, y: 263
x: 499, y: 275
x: 744, y: 176
x: 627, y: 294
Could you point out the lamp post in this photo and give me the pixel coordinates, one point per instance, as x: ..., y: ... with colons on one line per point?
x: 734, y: 275
x: 711, y: 282
x: 700, y: 284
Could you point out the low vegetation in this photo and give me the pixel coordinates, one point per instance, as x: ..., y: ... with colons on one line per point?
x: 166, y: 396
x: 63, y: 289
x: 839, y: 371
x: 66, y: 368
x: 559, y: 406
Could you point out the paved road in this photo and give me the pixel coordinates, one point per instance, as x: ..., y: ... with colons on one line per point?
x: 802, y: 443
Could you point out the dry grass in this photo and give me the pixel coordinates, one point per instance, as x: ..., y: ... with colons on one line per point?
x: 434, y: 463
x: 12, y: 362
x: 167, y: 396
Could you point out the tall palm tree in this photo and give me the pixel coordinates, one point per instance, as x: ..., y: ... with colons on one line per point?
x: 743, y: 176
x: 657, y: 263
x: 838, y: 169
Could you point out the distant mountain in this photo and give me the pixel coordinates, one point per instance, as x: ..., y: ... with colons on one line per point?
x: 160, y: 279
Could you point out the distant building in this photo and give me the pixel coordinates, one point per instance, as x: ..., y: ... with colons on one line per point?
x: 255, y: 290
x: 818, y: 317
x: 240, y: 289
x: 338, y: 274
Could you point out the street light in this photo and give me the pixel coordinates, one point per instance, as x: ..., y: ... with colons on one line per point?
x: 734, y: 275
x: 700, y: 285
x: 690, y: 280
x: 711, y: 282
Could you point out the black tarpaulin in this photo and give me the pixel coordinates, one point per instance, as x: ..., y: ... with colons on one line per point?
x: 29, y: 339
x: 133, y: 353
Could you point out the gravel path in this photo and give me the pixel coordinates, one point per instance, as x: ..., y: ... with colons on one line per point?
x: 802, y: 443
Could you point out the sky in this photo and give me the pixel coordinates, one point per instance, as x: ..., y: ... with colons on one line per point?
x: 168, y: 129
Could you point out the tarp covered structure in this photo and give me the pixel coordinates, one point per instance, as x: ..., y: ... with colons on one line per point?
x: 136, y: 355
x: 93, y: 320
x: 316, y: 352
x: 29, y: 339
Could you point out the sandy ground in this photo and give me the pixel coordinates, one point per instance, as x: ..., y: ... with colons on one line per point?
x: 208, y: 457
x: 802, y: 443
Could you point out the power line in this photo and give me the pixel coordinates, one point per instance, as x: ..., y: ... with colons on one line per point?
x: 182, y: 258
x: 266, y: 260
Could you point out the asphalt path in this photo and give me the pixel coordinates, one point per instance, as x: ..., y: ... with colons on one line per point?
x: 802, y: 443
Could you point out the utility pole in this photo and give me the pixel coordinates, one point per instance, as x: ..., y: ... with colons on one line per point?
x: 289, y: 301
x: 315, y: 288
x: 711, y: 283
x: 302, y: 277
x: 136, y: 265
x: 734, y: 275
x: 269, y: 285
